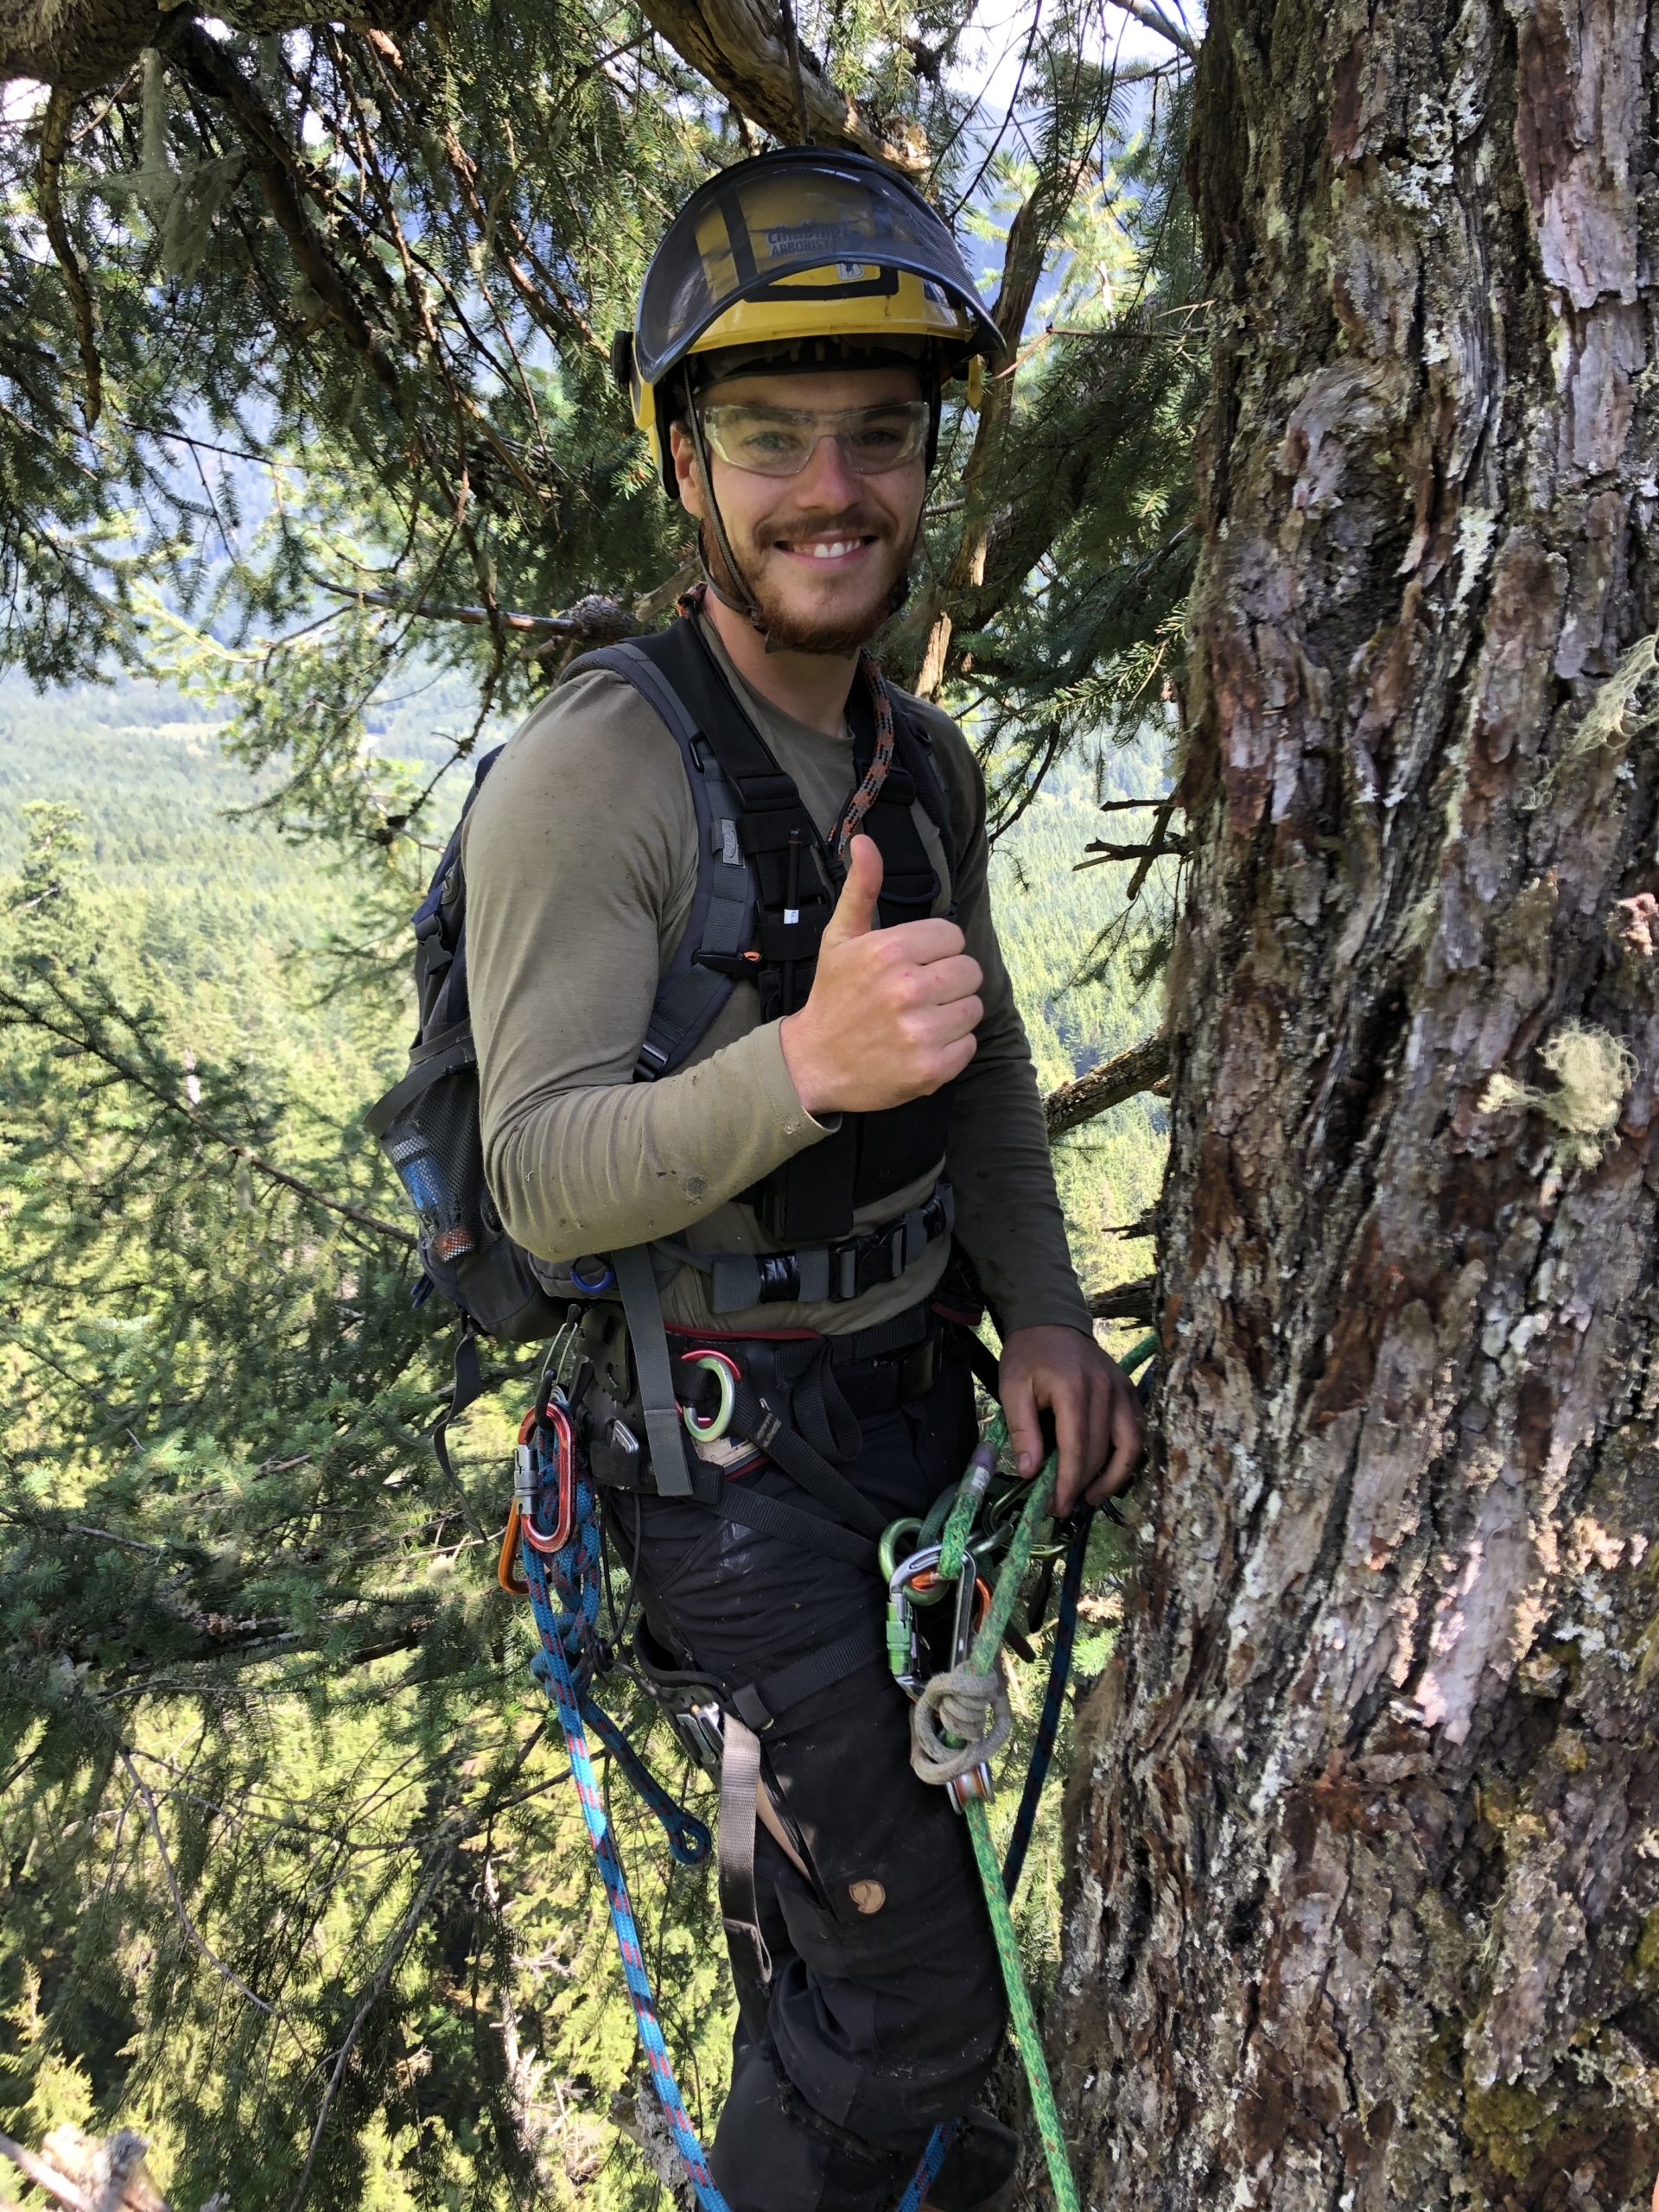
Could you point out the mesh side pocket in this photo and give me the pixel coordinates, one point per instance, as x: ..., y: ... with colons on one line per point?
x: 434, y: 1145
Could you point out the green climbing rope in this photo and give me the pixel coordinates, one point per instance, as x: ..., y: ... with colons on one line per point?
x: 987, y: 1643
x: 978, y: 1817
x: 953, y: 1544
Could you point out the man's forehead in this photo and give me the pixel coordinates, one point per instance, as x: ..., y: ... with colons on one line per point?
x: 826, y: 388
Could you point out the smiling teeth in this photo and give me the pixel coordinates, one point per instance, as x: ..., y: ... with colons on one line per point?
x: 834, y: 552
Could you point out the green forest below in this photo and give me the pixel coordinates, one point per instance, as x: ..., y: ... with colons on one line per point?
x: 216, y: 1402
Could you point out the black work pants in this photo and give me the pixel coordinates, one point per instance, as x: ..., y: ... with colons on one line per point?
x: 885, y: 2006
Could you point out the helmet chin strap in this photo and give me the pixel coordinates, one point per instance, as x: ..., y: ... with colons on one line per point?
x: 745, y: 604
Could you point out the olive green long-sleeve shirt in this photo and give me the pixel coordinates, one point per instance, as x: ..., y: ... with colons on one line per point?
x: 581, y: 861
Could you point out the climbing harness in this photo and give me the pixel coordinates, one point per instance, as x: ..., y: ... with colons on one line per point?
x: 553, y: 1543
x: 766, y: 883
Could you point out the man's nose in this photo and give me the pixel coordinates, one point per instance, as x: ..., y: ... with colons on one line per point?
x: 826, y: 480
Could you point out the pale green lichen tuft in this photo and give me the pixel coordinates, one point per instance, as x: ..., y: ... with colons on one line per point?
x: 1625, y: 708
x: 1593, y: 1072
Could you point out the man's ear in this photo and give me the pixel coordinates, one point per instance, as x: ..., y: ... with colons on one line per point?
x: 685, y: 470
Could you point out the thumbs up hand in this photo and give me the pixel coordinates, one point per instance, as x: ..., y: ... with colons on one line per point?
x: 891, y: 1013
x: 854, y: 914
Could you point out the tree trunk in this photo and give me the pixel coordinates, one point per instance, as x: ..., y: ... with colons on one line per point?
x: 1364, y: 1891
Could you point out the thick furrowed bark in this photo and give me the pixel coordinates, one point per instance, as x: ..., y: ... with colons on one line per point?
x: 1365, y: 1896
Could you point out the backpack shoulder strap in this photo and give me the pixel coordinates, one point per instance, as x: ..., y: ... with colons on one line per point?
x: 794, y: 876
x: 720, y: 925
x: 440, y: 921
x: 914, y: 742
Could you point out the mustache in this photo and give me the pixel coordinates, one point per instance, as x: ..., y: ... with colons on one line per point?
x: 843, y: 526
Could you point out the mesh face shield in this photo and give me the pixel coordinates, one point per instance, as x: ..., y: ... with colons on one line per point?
x: 767, y: 232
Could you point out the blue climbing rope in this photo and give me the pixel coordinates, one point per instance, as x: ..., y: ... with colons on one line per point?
x: 1042, y: 1752
x: 564, y: 1585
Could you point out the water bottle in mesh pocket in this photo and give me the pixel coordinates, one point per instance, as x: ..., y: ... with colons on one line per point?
x: 428, y: 1128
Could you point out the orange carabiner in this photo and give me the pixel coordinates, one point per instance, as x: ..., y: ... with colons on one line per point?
x: 518, y: 1528
x: 506, y: 1567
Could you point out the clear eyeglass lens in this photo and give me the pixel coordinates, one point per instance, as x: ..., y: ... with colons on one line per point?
x: 780, y: 440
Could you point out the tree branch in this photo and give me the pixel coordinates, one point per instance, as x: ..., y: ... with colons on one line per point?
x: 276, y: 167
x: 741, y: 48
x: 1109, y: 1084
x: 80, y: 45
x: 42, y: 2176
x: 1127, y: 1301
x: 593, y: 617
x: 55, y: 137
x: 1169, y: 848
x: 189, y: 1926
x: 23, y: 1010
x: 1152, y: 17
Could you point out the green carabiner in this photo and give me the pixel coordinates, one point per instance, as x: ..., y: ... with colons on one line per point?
x: 721, y: 1366
x: 887, y: 1552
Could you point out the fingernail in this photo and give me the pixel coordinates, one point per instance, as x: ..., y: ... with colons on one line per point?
x: 1023, y: 1463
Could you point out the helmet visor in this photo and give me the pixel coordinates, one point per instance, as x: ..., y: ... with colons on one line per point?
x: 757, y: 227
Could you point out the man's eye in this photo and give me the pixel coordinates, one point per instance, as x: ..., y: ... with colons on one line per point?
x: 875, y: 440
x: 770, y: 444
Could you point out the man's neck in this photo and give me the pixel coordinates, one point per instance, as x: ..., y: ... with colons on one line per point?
x: 812, y: 687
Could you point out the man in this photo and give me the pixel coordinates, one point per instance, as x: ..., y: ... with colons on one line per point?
x: 785, y: 1167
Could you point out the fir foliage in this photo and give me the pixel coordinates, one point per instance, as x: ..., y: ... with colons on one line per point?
x: 303, y: 399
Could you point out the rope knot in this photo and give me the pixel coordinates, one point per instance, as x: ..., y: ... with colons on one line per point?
x: 949, y: 1734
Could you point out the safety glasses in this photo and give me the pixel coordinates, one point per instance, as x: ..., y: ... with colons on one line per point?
x: 780, y: 440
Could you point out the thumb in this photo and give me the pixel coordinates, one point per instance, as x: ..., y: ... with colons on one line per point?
x: 854, y: 914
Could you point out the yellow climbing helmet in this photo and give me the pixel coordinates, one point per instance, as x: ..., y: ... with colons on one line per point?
x: 800, y: 256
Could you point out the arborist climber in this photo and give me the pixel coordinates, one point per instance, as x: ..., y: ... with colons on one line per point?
x: 740, y: 1006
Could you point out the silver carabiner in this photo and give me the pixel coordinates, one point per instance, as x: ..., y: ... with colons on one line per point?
x: 961, y: 1639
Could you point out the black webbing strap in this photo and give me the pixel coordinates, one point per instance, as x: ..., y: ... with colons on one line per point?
x: 770, y: 1516
x: 753, y: 1419
x: 643, y: 1306
x: 468, y: 1384
x: 699, y: 682
x: 981, y: 1358
x: 765, y: 1701
x: 812, y: 1273
x: 722, y: 920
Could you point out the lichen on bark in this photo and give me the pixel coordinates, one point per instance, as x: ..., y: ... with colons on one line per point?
x: 1365, y: 1828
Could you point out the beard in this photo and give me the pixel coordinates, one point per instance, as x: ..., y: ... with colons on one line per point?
x: 843, y: 631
